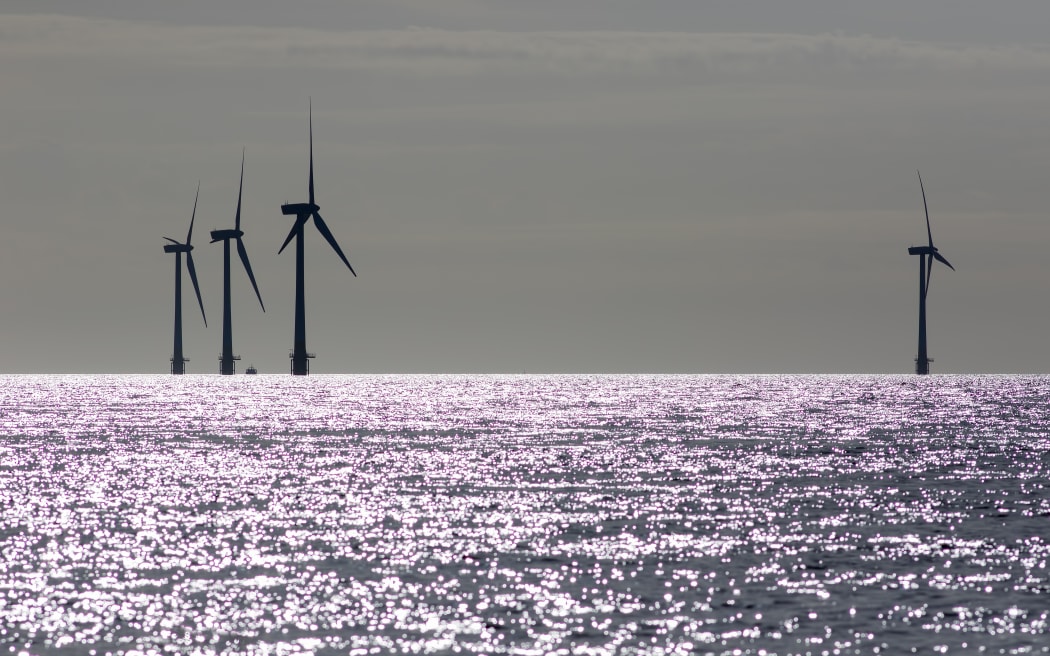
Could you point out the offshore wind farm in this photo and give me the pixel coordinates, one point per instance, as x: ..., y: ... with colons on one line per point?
x: 304, y: 212
x: 685, y: 221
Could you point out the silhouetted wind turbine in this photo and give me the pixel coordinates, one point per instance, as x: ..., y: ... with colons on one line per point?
x: 226, y: 366
x: 929, y: 254
x: 178, y: 362
x: 303, y: 211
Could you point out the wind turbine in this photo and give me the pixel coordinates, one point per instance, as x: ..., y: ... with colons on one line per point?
x: 929, y: 254
x: 303, y: 212
x: 226, y: 366
x: 178, y: 362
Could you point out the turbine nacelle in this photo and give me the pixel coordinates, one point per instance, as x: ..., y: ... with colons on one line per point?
x: 930, y: 250
x: 219, y: 235
x: 299, y: 209
x: 176, y: 247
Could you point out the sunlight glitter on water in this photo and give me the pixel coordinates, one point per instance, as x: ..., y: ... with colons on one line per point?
x: 524, y: 514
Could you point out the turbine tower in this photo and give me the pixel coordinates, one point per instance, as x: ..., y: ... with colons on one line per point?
x: 178, y: 362
x: 929, y: 254
x: 226, y: 366
x: 303, y: 212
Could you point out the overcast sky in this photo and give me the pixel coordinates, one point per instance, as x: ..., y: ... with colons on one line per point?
x: 543, y: 186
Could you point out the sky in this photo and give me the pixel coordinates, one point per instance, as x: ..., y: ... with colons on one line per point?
x: 580, y: 186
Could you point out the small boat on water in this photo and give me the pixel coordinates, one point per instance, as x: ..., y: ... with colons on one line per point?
x: 251, y: 370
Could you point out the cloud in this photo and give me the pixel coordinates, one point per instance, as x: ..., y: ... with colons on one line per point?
x: 467, y: 52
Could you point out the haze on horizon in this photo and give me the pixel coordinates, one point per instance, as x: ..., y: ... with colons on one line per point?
x: 583, y: 186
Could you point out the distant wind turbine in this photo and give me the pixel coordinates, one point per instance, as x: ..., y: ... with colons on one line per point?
x: 226, y: 366
x: 303, y: 212
x: 929, y: 254
x: 178, y: 362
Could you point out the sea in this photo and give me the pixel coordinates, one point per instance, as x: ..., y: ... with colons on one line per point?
x: 524, y: 514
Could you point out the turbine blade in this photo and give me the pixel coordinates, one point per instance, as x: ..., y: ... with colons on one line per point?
x: 323, y: 228
x: 295, y: 227
x: 311, y: 151
x: 940, y: 258
x: 927, y: 210
x: 194, y: 215
x: 173, y: 241
x: 248, y: 267
x: 240, y: 192
x: 929, y: 270
x: 196, y: 287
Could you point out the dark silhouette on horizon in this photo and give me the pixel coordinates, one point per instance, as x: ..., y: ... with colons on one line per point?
x: 929, y: 254
x: 226, y: 360
x: 178, y: 361
x: 303, y: 211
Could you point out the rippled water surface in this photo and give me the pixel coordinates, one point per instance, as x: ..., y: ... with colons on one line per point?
x: 524, y: 514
